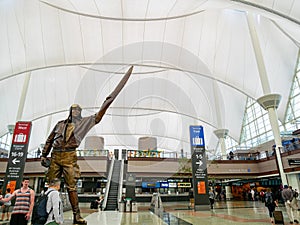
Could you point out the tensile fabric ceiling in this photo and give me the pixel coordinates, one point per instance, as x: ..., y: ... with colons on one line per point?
x: 194, y: 64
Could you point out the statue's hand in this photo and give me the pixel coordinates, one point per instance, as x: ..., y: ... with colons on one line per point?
x: 113, y: 95
x: 43, y: 159
x: 45, y: 162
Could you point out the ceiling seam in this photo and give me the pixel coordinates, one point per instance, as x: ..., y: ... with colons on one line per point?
x: 129, y: 108
x: 42, y: 35
x: 268, y: 10
x: 182, y: 38
x: 101, y: 29
x: 123, y: 19
x: 144, y: 30
x: 9, y: 48
x: 142, y: 65
x: 286, y: 34
x: 81, y: 35
x: 61, y: 36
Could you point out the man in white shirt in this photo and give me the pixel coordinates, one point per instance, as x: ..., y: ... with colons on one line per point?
x: 54, y: 204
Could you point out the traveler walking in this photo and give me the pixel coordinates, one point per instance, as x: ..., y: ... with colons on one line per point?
x: 287, y: 196
x: 54, y: 204
x: 270, y: 203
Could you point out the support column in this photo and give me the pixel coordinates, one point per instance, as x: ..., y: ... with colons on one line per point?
x: 23, y: 96
x: 222, y: 134
x: 270, y: 103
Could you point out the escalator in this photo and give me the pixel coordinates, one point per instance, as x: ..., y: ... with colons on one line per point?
x: 115, y: 186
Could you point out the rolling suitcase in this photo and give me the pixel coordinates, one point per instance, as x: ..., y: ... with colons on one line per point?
x: 278, y: 217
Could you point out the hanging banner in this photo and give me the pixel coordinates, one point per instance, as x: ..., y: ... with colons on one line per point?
x: 17, y: 156
x: 199, y: 168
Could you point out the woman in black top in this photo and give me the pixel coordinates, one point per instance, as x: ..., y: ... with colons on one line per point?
x: 270, y: 203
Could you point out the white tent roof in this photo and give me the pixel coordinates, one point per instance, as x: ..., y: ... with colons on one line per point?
x: 194, y: 64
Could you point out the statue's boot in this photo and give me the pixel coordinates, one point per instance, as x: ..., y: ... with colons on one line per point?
x: 77, y: 219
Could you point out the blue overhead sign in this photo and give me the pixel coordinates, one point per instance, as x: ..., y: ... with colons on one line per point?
x: 197, y: 136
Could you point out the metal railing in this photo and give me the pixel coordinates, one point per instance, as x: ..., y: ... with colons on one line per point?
x: 120, y: 191
x: 108, y: 183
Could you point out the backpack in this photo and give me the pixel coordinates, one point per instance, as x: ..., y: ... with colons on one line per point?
x: 39, y: 212
x: 295, y: 194
x: 269, y: 199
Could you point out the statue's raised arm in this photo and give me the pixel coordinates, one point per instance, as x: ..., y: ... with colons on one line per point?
x: 109, y: 99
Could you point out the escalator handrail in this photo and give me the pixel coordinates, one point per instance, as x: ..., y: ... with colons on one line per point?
x: 108, y: 182
x: 120, y: 189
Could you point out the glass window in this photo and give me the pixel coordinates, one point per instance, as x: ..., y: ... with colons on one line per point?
x: 256, y: 127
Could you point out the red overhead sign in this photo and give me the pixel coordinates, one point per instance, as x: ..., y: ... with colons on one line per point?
x: 21, y: 133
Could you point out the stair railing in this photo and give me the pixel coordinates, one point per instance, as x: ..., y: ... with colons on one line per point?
x: 108, y: 183
x: 120, y: 190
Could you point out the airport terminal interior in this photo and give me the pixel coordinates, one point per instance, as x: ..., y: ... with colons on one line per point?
x: 232, y: 212
x: 161, y: 104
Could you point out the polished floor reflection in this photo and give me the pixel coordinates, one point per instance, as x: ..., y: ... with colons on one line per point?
x: 225, y: 213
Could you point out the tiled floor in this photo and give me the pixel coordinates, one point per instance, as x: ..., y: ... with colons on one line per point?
x: 225, y: 213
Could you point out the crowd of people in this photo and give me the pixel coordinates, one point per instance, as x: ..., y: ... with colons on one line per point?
x: 286, y: 196
x: 25, y: 200
x: 22, y: 210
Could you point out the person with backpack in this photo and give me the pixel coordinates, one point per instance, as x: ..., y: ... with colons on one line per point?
x: 54, y: 204
x: 48, y: 209
x: 270, y: 203
x: 23, y: 205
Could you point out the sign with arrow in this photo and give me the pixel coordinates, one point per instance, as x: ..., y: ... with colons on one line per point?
x: 17, y: 156
x: 199, y: 168
x: 15, y: 160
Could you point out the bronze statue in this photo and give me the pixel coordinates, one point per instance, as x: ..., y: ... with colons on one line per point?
x: 65, y: 138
